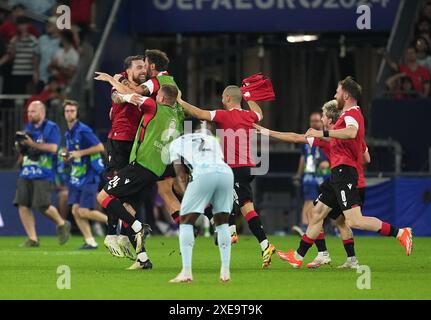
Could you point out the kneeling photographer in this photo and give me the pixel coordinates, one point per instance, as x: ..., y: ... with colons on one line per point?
x: 38, y: 145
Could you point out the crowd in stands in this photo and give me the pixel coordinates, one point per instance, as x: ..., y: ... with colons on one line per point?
x: 411, y: 77
x: 36, y: 58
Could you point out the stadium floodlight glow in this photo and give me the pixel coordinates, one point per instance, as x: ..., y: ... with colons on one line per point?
x: 301, y: 38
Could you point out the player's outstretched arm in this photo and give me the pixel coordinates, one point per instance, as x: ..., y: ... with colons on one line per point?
x: 139, y: 89
x: 256, y: 108
x: 121, y: 88
x: 193, y: 111
x: 283, y: 136
x: 348, y: 133
x: 367, y: 157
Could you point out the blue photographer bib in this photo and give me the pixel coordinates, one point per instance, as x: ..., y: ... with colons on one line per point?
x: 85, y: 169
x: 313, y: 156
x: 44, y: 167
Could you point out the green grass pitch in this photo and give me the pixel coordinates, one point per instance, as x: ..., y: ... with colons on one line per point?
x: 32, y: 273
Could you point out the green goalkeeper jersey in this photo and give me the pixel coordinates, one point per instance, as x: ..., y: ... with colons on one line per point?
x: 159, y: 126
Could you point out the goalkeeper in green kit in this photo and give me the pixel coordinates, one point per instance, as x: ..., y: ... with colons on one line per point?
x: 160, y: 125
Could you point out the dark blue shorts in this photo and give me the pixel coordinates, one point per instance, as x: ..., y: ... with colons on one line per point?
x: 84, y: 196
x: 310, y: 191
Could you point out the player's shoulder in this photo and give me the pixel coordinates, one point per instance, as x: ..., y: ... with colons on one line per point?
x: 353, y: 111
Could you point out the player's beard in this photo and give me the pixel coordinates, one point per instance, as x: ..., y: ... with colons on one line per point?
x: 340, y: 103
x: 138, y: 80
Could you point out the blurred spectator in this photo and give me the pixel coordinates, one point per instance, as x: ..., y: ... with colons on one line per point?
x: 9, y: 28
x: 401, y: 87
x: 50, y: 92
x: 423, y: 57
x: 66, y: 60
x: 22, y: 50
x: 426, y: 11
x: 418, y: 74
x: 423, y: 29
x: 48, y: 46
x: 84, y: 16
x: 42, y: 7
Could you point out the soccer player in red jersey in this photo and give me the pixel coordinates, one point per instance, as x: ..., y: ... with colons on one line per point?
x: 236, y: 124
x: 330, y: 115
x: 156, y: 63
x: 125, y: 118
x: 346, y: 145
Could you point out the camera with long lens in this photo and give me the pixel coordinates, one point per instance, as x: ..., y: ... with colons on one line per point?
x: 31, y: 153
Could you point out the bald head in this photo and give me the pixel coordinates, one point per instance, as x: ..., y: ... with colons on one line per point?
x: 36, y: 112
x: 232, y: 97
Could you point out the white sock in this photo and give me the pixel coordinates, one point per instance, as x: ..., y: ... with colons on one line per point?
x: 232, y: 229
x: 136, y: 226
x: 91, y: 242
x: 400, y: 233
x: 187, y: 272
x: 223, y: 238
x: 224, y: 273
x: 323, y: 253
x: 187, y: 241
x: 142, y: 256
x: 264, y: 244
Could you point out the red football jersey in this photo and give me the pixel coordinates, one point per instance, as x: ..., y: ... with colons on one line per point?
x: 326, y: 147
x: 348, y: 152
x: 153, y: 84
x: 237, y: 125
x: 125, y: 120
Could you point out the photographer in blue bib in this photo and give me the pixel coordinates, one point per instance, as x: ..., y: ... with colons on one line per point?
x: 83, y: 155
x: 313, y: 169
x: 38, y: 144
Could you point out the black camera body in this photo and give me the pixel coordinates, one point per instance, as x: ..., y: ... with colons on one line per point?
x: 20, y: 136
x: 31, y: 153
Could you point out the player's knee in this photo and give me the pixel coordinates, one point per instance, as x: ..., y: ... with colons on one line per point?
x: 353, y: 223
x: 101, y: 196
x: 315, y: 215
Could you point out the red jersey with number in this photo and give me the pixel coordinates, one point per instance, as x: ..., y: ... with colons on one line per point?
x: 348, y: 152
x: 236, y: 125
x: 326, y: 147
x: 125, y: 120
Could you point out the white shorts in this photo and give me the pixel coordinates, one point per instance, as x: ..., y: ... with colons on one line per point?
x: 212, y: 188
